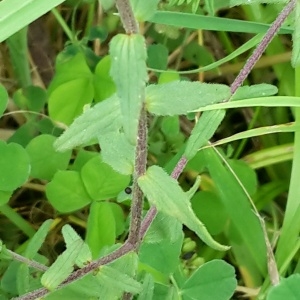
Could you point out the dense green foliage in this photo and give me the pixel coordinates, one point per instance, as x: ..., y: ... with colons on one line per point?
x: 134, y: 165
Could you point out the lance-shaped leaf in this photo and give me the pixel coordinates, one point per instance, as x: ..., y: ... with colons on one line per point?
x: 203, y: 131
x: 178, y: 97
x: 62, y: 267
x: 25, y: 11
x: 104, y: 117
x: 278, y: 101
x: 71, y: 236
x: 117, y: 152
x: 254, y: 91
x: 129, y: 71
x: 116, y: 280
x: 37, y: 240
x: 164, y: 192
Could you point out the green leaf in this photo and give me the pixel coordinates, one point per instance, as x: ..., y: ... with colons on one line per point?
x: 31, y: 98
x: 129, y: 72
x: 4, y: 197
x: 209, y: 6
x: 101, y: 227
x: 203, y: 131
x: 157, y: 56
x: 117, y: 152
x: 144, y: 10
x: 119, y: 217
x: 288, y: 288
x: 178, y: 97
x: 168, y: 76
x: 193, y: 21
x: 245, y: 174
x: 242, y: 217
x: 103, y: 83
x: 62, y: 267
x: 147, y: 289
x: 202, y: 284
x: 101, y: 181
x: 4, y: 253
x: 165, y: 292
x: 70, y: 237
x: 102, y: 286
x: 162, y: 256
x: 74, y: 79
x: 45, y: 161
x: 117, y: 280
x: 17, y: 46
x: 22, y: 279
x: 84, y: 288
x: 82, y: 157
x: 24, y: 11
x: 38, y: 239
x: 296, y: 34
x: 3, y: 99
x: 164, y: 192
x: 209, y: 208
x: 69, y: 69
x: 66, y: 192
x: 64, y: 109
x: 289, y: 127
x: 194, y: 188
x: 111, y: 281
x: 107, y: 4
x: 14, y: 166
x: 163, y: 227
x: 276, y: 101
x: 170, y: 126
x: 103, y: 118
x: 254, y: 91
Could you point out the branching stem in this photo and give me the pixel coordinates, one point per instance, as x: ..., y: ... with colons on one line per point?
x: 134, y: 239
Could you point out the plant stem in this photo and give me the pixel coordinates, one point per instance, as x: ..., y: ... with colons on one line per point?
x: 131, y: 27
x: 124, y: 249
x: 27, y: 261
x: 132, y: 244
x: 63, y: 24
x: 139, y: 170
x: 127, y: 17
x: 252, y: 60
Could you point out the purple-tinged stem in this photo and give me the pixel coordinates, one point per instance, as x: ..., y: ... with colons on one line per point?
x: 124, y: 249
x: 139, y: 170
x: 262, y: 46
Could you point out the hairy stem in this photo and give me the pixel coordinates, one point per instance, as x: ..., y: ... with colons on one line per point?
x: 140, y: 169
x: 124, y: 249
x: 252, y: 60
x: 126, y: 14
x: 27, y: 261
x: 134, y: 239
